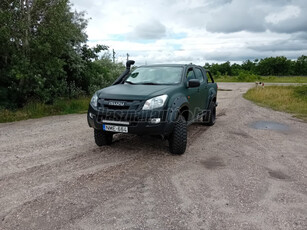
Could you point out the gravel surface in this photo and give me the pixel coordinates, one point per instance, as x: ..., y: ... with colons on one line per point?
x: 232, y: 176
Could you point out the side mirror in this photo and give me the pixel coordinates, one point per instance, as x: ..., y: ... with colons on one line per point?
x: 193, y: 83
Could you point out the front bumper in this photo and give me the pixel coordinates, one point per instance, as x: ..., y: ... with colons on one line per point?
x: 139, y: 121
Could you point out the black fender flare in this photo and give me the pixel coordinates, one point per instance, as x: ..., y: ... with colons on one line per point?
x: 176, y: 106
x: 211, y: 97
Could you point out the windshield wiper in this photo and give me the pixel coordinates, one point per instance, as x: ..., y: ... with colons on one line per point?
x: 129, y: 82
x: 149, y: 83
x: 142, y: 83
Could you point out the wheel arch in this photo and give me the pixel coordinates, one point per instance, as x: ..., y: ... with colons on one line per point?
x: 184, y: 111
x: 180, y: 105
x: 211, y: 97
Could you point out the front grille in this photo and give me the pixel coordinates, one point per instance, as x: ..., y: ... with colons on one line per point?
x: 110, y: 104
x: 113, y: 107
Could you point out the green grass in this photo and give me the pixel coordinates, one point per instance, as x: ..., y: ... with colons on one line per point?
x: 37, y: 110
x: 268, y: 79
x: 291, y: 99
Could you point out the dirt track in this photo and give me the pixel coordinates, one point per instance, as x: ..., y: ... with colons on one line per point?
x: 232, y: 176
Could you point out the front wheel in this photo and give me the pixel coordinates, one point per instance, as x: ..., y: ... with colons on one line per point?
x: 102, y: 137
x: 178, y: 138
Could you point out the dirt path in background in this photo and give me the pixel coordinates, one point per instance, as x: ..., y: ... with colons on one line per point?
x: 232, y: 176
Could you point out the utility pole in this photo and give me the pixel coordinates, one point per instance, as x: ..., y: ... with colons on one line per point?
x: 127, y: 56
x: 114, y: 56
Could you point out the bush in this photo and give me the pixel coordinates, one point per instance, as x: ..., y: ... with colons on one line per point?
x: 106, y: 73
x: 246, y: 76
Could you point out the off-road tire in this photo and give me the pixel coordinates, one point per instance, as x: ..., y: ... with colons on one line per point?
x: 178, y: 138
x: 210, y: 117
x: 102, y: 138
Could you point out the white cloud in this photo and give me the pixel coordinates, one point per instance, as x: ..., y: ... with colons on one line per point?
x: 239, y: 15
x: 286, y: 13
x: 150, y: 30
x: 198, y: 31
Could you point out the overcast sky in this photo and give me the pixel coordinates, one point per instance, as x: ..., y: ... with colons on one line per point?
x: 197, y: 31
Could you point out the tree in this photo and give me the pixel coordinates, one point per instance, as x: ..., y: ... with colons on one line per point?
x: 235, y: 69
x: 217, y: 69
x: 300, y: 67
x: 106, y: 72
x: 42, y: 51
x: 274, y: 66
x: 268, y: 66
x: 249, y: 65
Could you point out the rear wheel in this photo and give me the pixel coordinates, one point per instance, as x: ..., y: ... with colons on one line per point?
x: 178, y: 138
x: 102, y: 137
x: 209, y: 118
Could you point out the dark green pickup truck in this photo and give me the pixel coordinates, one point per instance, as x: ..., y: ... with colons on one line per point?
x: 154, y: 100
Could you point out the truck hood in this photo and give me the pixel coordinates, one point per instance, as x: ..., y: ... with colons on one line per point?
x: 134, y: 92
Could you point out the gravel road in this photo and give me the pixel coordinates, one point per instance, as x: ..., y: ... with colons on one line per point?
x: 237, y: 174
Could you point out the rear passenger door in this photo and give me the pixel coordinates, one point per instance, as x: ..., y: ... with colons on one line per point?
x: 203, y: 88
x: 211, y: 86
x: 192, y: 94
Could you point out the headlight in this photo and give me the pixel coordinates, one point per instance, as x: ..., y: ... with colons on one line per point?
x: 155, y: 102
x: 94, y: 100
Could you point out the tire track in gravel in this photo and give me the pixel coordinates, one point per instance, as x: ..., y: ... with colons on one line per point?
x: 64, y: 204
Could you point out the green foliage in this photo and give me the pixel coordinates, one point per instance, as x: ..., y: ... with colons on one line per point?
x: 277, y: 66
x: 248, y: 66
x: 300, y: 66
x: 246, y: 76
x: 43, y: 55
x: 102, y: 73
x: 220, y: 69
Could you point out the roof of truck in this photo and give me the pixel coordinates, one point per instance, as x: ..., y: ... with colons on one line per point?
x: 171, y: 65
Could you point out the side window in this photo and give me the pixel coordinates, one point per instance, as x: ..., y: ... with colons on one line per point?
x: 190, y: 74
x: 199, y: 75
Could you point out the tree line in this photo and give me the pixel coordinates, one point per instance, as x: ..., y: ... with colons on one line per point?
x: 44, y: 55
x: 271, y: 66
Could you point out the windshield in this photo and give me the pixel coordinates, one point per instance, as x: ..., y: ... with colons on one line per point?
x: 155, y: 76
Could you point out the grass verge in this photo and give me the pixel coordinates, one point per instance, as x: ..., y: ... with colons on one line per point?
x: 267, y: 79
x: 37, y: 110
x: 291, y: 99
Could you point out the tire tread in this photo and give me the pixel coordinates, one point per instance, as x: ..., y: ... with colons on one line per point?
x: 178, y: 138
